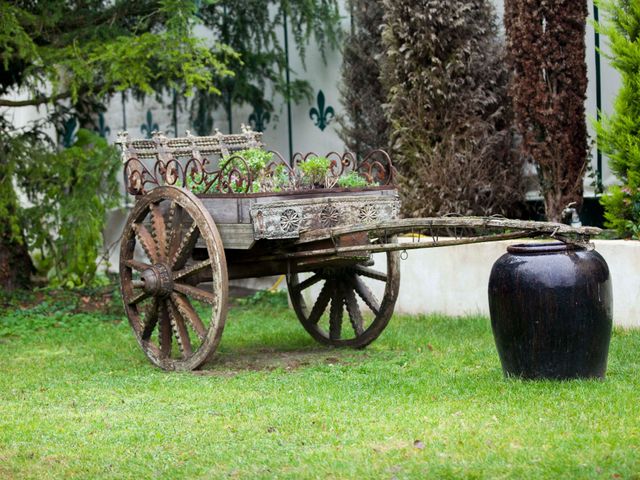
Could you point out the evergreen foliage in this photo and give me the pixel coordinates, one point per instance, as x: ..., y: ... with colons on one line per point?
x: 70, y: 193
x: 364, y: 125
x: 448, y: 108
x: 69, y: 57
x: 253, y: 29
x: 546, y: 43
x: 618, y: 134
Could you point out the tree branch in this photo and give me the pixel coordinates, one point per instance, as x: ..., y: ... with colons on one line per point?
x: 33, y: 101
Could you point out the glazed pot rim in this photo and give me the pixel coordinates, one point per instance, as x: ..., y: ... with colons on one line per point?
x: 542, y: 248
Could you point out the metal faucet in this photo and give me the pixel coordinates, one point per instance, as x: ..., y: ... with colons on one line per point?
x: 575, y: 218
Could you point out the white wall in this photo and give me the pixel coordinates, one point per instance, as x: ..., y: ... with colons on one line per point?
x: 454, y: 280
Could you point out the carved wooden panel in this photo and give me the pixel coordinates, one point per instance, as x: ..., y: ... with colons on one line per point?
x: 286, y: 219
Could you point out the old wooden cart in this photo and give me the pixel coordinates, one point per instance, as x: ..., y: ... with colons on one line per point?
x: 180, y: 249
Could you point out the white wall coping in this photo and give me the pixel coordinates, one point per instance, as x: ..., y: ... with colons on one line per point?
x: 454, y: 280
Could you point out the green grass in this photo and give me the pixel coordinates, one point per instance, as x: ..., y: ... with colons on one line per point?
x: 78, y: 399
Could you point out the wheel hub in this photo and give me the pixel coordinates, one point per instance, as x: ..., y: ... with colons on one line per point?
x: 157, y: 280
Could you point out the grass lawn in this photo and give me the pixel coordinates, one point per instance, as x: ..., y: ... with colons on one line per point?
x: 78, y: 399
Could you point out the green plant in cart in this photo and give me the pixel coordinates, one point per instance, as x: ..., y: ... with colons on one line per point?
x: 314, y: 171
x: 352, y: 180
x: 236, y: 171
x: 240, y: 168
x: 196, y: 182
x: 278, y: 179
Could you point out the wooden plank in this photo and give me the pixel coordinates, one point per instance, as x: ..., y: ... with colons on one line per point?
x: 290, y: 218
x: 222, y: 209
x: 236, y: 208
x: 244, y: 209
x: 233, y: 235
x: 426, y: 225
x: 237, y: 236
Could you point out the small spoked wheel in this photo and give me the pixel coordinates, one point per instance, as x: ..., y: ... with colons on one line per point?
x: 336, y: 291
x: 176, y: 306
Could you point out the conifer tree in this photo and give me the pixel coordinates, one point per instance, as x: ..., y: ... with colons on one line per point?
x: 618, y: 134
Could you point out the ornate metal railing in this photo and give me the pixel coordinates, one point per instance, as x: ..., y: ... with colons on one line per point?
x: 217, y: 165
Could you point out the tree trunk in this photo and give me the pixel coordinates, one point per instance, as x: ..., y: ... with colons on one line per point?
x: 553, y: 206
x: 15, y: 264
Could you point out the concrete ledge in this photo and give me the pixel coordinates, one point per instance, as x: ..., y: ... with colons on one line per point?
x: 454, y: 280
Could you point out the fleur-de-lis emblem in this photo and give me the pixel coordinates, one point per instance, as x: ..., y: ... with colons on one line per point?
x: 69, y: 132
x: 322, y: 116
x: 102, y: 129
x: 149, y: 127
x: 203, y: 121
x: 259, y: 119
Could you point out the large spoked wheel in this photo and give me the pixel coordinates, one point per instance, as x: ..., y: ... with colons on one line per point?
x: 344, y: 289
x: 176, y: 306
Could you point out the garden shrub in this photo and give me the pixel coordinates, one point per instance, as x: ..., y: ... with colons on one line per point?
x: 70, y: 193
x: 364, y: 125
x: 546, y: 44
x: 618, y: 134
x: 447, y: 103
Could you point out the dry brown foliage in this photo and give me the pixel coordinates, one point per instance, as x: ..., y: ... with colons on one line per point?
x: 545, y: 40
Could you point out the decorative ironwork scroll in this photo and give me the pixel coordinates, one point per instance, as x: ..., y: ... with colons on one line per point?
x: 227, y: 164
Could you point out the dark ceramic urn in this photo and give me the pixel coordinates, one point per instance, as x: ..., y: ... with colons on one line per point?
x: 551, y: 311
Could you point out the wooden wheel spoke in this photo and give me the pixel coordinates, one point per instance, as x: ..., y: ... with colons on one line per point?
x: 137, y: 298
x: 175, y: 226
x: 192, y: 269
x: 136, y: 265
x: 186, y: 247
x: 365, y: 294
x: 312, y: 280
x: 146, y: 241
x: 355, y: 316
x: 179, y: 330
x: 187, y: 311
x: 371, y: 273
x: 164, y: 331
x: 196, y: 293
x: 158, y: 230
x: 335, y: 313
x: 321, y: 305
x: 150, y: 320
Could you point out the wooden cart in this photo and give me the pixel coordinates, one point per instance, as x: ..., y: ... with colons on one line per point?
x: 180, y: 249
